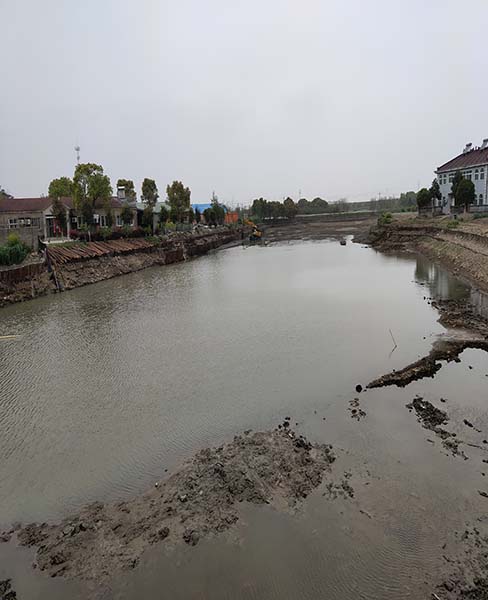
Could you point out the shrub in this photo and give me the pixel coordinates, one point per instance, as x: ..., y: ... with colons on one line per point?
x: 13, y: 239
x: 385, y: 219
x: 13, y: 254
x: 452, y: 224
x: 480, y: 215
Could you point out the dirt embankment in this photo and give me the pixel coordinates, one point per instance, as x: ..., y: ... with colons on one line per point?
x: 200, y: 499
x: 460, y: 246
x: 74, y: 266
x: 320, y: 227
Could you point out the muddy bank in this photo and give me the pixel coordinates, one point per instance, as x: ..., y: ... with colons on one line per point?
x: 471, y: 332
x: 463, y: 249
x: 466, y: 577
x: 274, y: 467
x: 75, y: 266
x: 444, y: 350
x: 6, y: 591
x: 319, y: 227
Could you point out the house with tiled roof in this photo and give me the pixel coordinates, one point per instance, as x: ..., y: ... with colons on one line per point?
x: 473, y: 164
x: 32, y: 218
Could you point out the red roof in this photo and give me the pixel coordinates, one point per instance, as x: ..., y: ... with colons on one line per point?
x: 15, y: 205
x: 473, y: 158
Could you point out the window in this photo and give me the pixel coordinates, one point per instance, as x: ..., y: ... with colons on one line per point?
x: 103, y: 220
x: 118, y: 221
x: 482, y: 173
x: 12, y: 224
x: 481, y: 198
x: 476, y: 174
x: 451, y: 177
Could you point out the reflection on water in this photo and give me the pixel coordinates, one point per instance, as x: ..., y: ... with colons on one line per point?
x: 445, y: 286
x: 111, y: 384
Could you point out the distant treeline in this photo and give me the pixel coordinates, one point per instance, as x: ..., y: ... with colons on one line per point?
x: 266, y: 209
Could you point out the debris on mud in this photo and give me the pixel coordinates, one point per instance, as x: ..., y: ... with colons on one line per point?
x: 446, y: 350
x: 198, y: 500
x: 342, y: 489
x: 469, y: 578
x: 432, y: 418
x: 356, y: 411
x: 6, y: 591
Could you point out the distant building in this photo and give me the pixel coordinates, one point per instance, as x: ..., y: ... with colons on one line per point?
x: 231, y: 217
x: 32, y: 218
x: 473, y: 164
x: 156, y: 212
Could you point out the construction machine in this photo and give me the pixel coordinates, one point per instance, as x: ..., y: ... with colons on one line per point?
x: 256, y: 234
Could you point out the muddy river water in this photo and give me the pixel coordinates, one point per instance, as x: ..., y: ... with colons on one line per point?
x: 109, y: 385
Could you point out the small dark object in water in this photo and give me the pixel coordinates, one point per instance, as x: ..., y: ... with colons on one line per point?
x: 343, y: 242
x: 470, y: 367
x: 359, y: 388
x: 466, y: 422
x: 484, y: 494
x: 443, y: 400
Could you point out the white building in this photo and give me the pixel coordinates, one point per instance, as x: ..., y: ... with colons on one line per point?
x: 473, y: 164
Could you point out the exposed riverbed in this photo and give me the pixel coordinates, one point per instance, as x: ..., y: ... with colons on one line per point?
x: 109, y: 386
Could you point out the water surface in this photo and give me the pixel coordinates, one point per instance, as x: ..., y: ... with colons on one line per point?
x: 109, y: 385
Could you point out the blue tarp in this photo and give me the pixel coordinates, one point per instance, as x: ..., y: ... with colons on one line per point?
x: 201, y: 207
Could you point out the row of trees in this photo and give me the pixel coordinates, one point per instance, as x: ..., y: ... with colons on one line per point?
x: 462, y: 190
x: 91, y: 188
x: 265, y: 209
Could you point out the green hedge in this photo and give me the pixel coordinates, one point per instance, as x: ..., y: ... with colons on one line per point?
x: 13, y: 254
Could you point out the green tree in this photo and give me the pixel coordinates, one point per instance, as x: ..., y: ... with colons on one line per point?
x: 435, y: 190
x: 465, y: 194
x: 163, y: 214
x: 191, y: 215
x: 290, y: 208
x: 209, y: 215
x: 109, y: 215
x: 59, y: 212
x: 318, y: 205
x: 149, y: 192
x: 458, y: 177
x: 126, y: 214
x: 218, y: 210
x: 198, y: 215
x: 128, y: 186
x: 90, y: 188
x: 423, y: 198
x: 60, y: 188
x: 147, y: 216
x: 179, y: 200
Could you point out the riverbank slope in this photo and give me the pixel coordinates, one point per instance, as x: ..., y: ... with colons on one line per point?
x: 73, y: 265
x: 460, y: 246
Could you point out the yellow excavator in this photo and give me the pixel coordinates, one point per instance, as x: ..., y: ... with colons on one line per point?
x: 256, y: 234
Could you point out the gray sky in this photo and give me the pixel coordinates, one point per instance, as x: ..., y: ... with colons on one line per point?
x: 250, y: 98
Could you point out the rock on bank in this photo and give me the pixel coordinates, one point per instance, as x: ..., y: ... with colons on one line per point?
x: 76, y: 264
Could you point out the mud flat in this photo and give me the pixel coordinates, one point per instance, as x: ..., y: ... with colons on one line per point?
x: 320, y: 227
x: 272, y: 467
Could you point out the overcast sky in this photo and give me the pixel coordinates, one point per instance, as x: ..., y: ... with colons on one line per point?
x: 248, y: 98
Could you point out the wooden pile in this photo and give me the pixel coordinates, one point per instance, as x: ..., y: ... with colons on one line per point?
x: 60, y: 255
